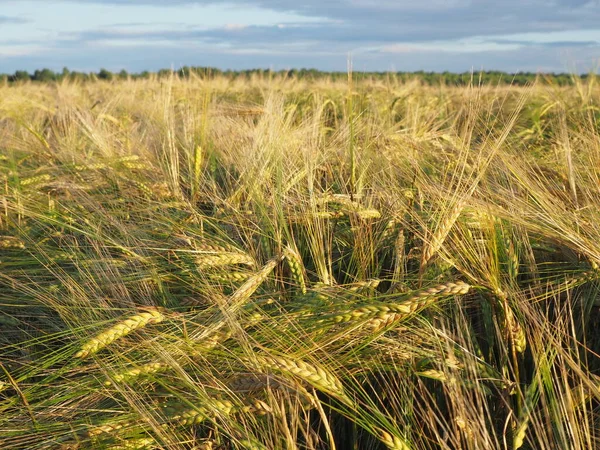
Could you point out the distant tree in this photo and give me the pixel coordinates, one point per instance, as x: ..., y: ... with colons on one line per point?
x: 164, y: 73
x: 184, y: 72
x: 78, y: 76
x: 105, y: 75
x: 44, y: 75
x: 492, y: 77
x: 563, y: 80
x: 20, y: 75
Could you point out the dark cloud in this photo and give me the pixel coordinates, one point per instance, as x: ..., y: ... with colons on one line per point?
x: 271, y: 34
x: 424, y: 20
x: 328, y: 36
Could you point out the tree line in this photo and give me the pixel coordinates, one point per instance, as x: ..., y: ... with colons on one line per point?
x: 429, y: 78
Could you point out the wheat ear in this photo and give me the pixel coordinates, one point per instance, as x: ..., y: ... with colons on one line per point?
x: 513, y: 328
x: 132, y: 374
x: 224, y: 277
x: 35, y: 180
x: 361, y: 287
x: 245, y: 291
x: 11, y: 242
x: 314, y: 375
x: 379, y: 316
x: 392, y: 442
x: 368, y: 213
x: 296, y: 267
x: 252, y: 382
x: 432, y: 246
x: 108, y: 428
x: 119, y: 330
x: 207, y: 260
x: 135, y: 444
x: 237, y: 301
x: 520, y: 433
x: 95, y: 166
x: 216, y: 407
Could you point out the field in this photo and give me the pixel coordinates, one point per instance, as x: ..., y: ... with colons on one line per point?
x: 276, y: 263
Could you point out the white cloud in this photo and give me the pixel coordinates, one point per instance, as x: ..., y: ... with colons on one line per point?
x: 461, y: 46
x: 20, y: 50
x: 235, y: 26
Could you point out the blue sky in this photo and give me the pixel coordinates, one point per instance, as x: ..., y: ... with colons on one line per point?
x: 454, y: 35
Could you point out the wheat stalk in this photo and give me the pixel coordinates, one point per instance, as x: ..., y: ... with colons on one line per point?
x: 208, y: 247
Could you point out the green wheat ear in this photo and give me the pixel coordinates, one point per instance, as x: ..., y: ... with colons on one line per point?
x: 119, y: 330
x: 296, y: 267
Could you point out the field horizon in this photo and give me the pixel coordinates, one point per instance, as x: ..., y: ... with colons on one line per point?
x: 450, y: 78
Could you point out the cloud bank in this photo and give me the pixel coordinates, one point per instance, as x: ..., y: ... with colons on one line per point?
x: 455, y: 35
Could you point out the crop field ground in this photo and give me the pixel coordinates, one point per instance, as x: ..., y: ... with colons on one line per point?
x: 276, y: 263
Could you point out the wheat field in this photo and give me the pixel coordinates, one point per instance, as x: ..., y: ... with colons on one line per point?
x: 276, y: 263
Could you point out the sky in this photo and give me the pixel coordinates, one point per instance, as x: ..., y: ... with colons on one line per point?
x: 377, y: 35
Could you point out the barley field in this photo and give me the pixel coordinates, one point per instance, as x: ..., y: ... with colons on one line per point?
x: 276, y: 263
